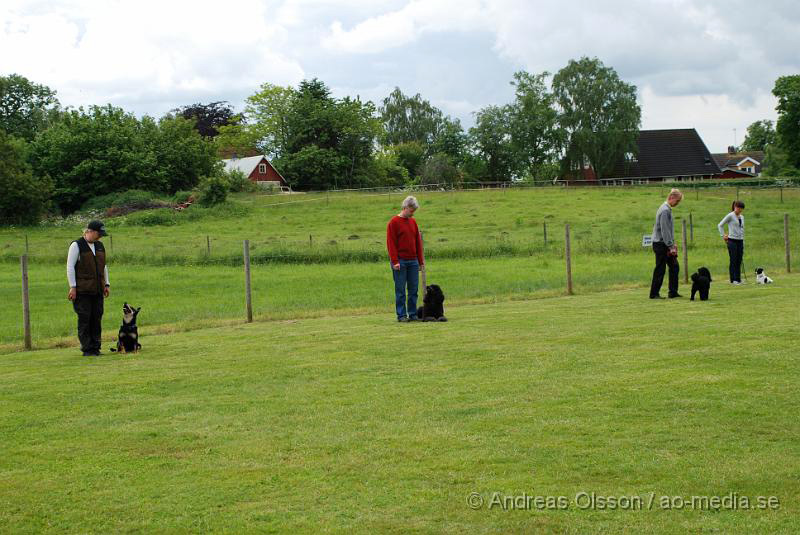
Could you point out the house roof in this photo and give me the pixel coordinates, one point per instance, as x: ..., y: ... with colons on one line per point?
x: 728, y: 159
x: 247, y: 165
x: 667, y: 153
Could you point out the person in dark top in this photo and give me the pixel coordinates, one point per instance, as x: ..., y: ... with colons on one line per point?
x: 404, y: 244
x: 734, y: 238
x: 87, y: 275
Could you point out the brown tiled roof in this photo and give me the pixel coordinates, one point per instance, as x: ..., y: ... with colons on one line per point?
x: 668, y: 153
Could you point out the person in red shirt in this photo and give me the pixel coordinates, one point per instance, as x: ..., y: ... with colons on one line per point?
x: 405, y: 254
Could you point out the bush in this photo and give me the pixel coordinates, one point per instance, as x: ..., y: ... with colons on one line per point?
x: 133, y: 199
x: 182, y: 196
x: 239, y: 182
x: 23, y: 197
x: 213, y: 190
x: 162, y: 216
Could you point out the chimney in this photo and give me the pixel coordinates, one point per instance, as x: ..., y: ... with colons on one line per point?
x: 731, y: 149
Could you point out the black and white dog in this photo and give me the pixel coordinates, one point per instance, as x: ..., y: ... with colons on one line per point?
x: 701, y: 283
x: 128, y: 337
x: 433, y: 304
x: 761, y: 277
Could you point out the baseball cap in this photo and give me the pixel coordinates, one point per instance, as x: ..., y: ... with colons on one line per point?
x: 98, y: 226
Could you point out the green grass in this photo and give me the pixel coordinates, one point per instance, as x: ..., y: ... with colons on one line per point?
x: 481, y: 246
x: 345, y: 227
x: 358, y: 424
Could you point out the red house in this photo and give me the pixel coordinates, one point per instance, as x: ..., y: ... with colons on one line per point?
x: 257, y: 169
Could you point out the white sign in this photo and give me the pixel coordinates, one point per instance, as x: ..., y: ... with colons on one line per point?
x: 647, y: 240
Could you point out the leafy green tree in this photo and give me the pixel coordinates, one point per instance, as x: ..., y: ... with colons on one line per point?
x: 267, y: 119
x: 759, y: 135
x: 450, y: 140
x: 491, y: 138
x: 23, y: 196
x: 440, y: 169
x: 410, y: 155
x: 599, y: 115
x: 104, y: 149
x: 787, y: 90
x: 777, y: 162
x: 533, y: 122
x: 407, y: 119
x: 26, y: 108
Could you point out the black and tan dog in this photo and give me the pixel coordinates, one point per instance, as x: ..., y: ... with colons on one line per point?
x: 433, y: 304
x: 701, y: 283
x: 128, y: 338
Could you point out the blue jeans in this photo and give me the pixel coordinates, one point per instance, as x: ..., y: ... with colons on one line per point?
x: 407, y: 275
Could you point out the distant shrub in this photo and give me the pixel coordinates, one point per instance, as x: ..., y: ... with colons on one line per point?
x: 162, y: 217
x: 238, y: 182
x: 213, y: 190
x: 124, y: 201
x: 181, y: 196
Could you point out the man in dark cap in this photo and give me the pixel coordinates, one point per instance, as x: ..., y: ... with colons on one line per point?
x: 87, y: 275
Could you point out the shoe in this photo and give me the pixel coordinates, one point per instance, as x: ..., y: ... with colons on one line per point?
x: 88, y: 354
x: 735, y: 283
x: 673, y: 296
x: 403, y: 319
x: 657, y: 297
x: 413, y: 318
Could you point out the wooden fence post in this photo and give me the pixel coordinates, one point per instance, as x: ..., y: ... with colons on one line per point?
x: 691, y: 228
x: 786, y: 242
x: 248, y: 299
x: 685, y: 255
x: 111, y: 242
x: 544, y: 231
x: 208, y: 245
x: 26, y: 309
x: 26, y: 244
x: 568, y: 255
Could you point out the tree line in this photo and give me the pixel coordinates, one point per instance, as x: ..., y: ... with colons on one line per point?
x: 54, y: 159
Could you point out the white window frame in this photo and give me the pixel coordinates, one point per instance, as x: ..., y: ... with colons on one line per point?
x: 262, y: 168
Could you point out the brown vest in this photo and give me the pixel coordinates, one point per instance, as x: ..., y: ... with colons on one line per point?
x: 90, y: 269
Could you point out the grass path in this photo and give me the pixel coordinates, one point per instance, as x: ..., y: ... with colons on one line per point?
x: 349, y: 424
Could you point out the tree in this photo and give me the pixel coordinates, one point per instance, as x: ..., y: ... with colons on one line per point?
x: 787, y: 90
x: 267, y: 116
x: 759, y: 135
x: 450, y: 140
x: 491, y: 138
x: 104, y: 150
x: 327, y: 142
x: 410, y: 155
x: 599, y: 115
x: 23, y: 196
x: 26, y: 108
x: 439, y: 169
x: 407, y: 119
x: 208, y: 117
x: 533, y: 121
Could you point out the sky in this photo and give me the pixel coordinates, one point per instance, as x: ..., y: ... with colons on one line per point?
x: 703, y: 64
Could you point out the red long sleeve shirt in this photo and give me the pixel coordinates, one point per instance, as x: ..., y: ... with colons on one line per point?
x: 403, y: 240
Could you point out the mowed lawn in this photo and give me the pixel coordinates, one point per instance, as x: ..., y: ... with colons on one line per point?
x: 358, y: 424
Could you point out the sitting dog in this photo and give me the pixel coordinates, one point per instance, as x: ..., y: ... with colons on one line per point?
x: 701, y: 282
x: 761, y: 277
x: 128, y: 337
x: 433, y: 307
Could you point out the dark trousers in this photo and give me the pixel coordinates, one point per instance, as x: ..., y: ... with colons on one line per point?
x: 736, y: 253
x: 664, y: 259
x: 89, y: 308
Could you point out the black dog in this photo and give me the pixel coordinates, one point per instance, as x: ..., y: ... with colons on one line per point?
x: 433, y: 307
x: 701, y: 282
x: 128, y: 337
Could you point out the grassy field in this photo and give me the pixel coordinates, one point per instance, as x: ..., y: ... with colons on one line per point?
x: 358, y: 424
x: 482, y: 246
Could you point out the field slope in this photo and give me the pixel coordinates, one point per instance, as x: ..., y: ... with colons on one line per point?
x: 348, y: 424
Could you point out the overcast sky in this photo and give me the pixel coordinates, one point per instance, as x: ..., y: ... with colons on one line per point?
x: 704, y: 64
